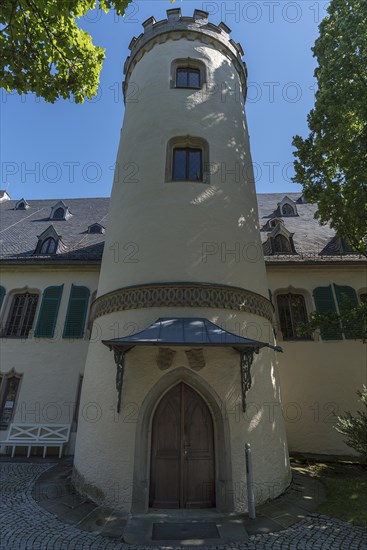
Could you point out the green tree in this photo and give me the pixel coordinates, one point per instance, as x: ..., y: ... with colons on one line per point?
x: 355, y: 427
x: 331, y: 163
x: 351, y: 321
x: 43, y: 50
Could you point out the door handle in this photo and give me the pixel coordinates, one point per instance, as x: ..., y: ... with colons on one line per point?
x: 185, y: 449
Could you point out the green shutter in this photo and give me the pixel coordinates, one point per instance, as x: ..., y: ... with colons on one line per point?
x: 2, y: 295
x: 324, y: 302
x: 77, y: 312
x: 346, y: 297
x: 49, y: 310
x: 270, y: 295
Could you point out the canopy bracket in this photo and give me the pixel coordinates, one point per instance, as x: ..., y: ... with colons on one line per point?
x: 246, y: 358
x: 119, y: 356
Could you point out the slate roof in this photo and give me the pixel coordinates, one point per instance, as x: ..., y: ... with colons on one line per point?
x: 19, y: 231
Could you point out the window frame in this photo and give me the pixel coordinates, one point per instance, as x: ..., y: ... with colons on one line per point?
x: 58, y: 218
x: 288, y: 214
x: 188, y: 71
x: 4, y: 381
x: 188, y: 142
x: 289, y: 295
x: 47, y: 241
x: 282, y: 238
x: 10, y: 311
x: 187, y: 151
x: 188, y: 63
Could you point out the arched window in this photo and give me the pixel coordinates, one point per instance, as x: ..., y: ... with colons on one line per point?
x: 292, y: 314
x: 9, y: 388
x: 363, y: 297
x: 59, y: 214
x: 282, y: 245
x: 21, y: 315
x: 287, y: 210
x: 22, y: 204
x: 48, y: 246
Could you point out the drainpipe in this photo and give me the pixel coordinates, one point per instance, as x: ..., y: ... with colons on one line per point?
x: 250, y: 483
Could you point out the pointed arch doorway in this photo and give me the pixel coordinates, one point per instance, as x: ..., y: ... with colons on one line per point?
x: 182, y: 452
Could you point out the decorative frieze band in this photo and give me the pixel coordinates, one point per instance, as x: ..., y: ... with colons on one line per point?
x: 182, y: 295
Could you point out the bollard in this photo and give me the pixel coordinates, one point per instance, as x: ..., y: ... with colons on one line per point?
x: 250, y: 483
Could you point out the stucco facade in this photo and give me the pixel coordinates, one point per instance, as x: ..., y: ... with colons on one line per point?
x: 177, y: 248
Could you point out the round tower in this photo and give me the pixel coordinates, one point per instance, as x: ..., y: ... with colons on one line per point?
x: 181, y: 370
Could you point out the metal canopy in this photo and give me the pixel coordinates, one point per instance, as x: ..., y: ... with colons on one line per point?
x: 186, y: 331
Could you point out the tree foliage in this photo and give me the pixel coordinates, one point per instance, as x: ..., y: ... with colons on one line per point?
x: 331, y: 163
x: 350, y: 321
x: 43, y: 50
x: 355, y: 427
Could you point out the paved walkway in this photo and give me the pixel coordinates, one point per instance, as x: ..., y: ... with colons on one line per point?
x: 26, y: 525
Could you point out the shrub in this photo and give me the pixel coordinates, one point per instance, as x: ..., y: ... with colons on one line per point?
x: 355, y: 427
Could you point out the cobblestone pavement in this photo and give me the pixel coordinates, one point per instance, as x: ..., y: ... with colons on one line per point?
x: 25, y: 526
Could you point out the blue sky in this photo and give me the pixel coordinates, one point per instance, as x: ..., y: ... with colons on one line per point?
x: 68, y: 150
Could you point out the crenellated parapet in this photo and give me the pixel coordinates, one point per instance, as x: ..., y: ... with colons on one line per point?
x: 176, y: 27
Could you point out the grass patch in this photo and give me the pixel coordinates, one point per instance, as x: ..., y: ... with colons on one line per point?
x: 346, y: 488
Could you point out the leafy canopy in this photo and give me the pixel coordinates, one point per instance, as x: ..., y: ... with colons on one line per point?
x: 331, y: 163
x: 355, y: 427
x: 43, y: 50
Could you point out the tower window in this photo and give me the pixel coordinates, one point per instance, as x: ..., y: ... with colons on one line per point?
x: 292, y: 313
x: 187, y: 164
x: 188, y: 73
x: 21, y: 316
x: 187, y: 77
x: 48, y: 246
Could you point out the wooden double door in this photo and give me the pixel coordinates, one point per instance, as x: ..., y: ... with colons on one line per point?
x: 182, y: 461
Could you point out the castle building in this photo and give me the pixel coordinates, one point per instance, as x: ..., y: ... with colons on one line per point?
x: 152, y: 322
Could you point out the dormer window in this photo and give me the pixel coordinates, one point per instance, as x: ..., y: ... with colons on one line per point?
x: 287, y: 210
x: 48, y: 242
x: 281, y: 245
x: 274, y: 222
x: 96, y: 229
x: 60, y: 212
x: 280, y: 240
x: 22, y: 205
x: 48, y: 246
